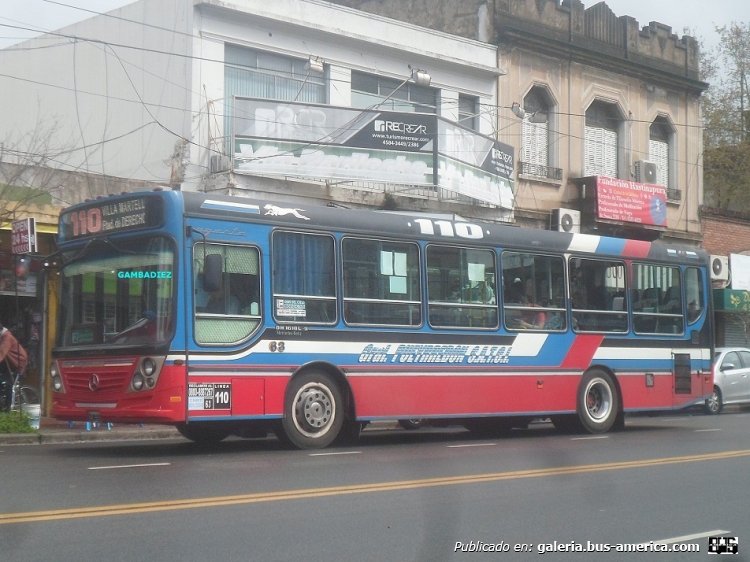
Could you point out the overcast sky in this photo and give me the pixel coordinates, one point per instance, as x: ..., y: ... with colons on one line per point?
x: 699, y: 16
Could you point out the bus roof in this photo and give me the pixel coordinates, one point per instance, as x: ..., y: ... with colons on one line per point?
x: 412, y: 225
x: 429, y: 226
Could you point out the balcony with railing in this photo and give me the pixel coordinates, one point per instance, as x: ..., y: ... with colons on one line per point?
x: 539, y: 171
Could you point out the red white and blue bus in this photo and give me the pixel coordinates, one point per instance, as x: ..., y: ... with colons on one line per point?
x: 224, y: 316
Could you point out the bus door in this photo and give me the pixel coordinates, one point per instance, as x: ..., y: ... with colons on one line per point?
x: 682, y: 377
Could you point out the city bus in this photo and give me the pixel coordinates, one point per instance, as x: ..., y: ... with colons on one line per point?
x: 235, y: 316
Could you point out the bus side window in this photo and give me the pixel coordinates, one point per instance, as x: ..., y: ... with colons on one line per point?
x: 231, y: 312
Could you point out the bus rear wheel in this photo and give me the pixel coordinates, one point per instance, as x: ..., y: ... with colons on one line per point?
x: 313, y: 411
x: 598, y: 402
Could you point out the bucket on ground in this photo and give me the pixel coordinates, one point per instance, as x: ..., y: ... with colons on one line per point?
x: 33, y: 412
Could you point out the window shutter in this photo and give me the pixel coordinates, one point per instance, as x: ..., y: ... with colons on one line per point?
x: 658, y: 153
x: 534, y: 142
x: 601, y: 152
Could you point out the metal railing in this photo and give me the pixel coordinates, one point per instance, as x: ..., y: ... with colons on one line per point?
x: 539, y: 171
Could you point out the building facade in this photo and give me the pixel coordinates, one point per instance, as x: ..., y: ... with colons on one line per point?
x: 726, y: 235
x: 182, y: 93
x: 588, y: 95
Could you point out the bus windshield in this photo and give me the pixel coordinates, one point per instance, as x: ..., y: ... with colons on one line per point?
x: 117, y: 294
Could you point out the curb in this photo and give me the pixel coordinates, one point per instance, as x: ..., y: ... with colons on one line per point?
x: 48, y: 437
x: 121, y: 433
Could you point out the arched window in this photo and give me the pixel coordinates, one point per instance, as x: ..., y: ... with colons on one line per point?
x: 535, y: 129
x: 603, y: 124
x: 660, y: 134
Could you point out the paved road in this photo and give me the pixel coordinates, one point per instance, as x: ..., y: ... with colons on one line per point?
x: 396, y: 496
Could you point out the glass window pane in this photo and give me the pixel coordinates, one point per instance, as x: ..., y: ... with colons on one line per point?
x: 369, y: 91
x: 657, y: 299
x: 258, y: 74
x: 462, y: 288
x: 533, y: 292
x: 304, y: 278
x: 599, y: 298
x: 694, y: 294
x: 231, y: 312
x: 381, y: 282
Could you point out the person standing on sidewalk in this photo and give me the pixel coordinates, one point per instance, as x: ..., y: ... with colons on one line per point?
x: 13, y: 359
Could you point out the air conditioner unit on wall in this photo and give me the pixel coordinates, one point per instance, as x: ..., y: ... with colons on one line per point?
x: 565, y: 220
x: 645, y: 171
x: 720, y: 268
x: 218, y: 163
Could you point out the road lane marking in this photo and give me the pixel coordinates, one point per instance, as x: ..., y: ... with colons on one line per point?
x: 129, y: 466
x: 264, y: 497
x: 686, y: 538
x: 589, y: 438
x: 471, y: 445
x: 704, y: 430
x: 335, y: 453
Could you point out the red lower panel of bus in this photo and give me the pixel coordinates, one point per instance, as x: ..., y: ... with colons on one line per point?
x: 376, y: 395
x: 417, y: 396
x: 101, y: 390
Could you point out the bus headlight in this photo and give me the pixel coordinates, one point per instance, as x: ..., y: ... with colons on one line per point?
x: 138, y: 381
x: 54, y: 374
x: 148, y: 367
x: 146, y: 373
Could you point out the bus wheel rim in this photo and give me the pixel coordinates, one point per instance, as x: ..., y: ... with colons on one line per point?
x: 314, y: 410
x: 598, y: 400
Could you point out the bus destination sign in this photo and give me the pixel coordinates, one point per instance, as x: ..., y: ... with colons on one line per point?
x: 105, y: 217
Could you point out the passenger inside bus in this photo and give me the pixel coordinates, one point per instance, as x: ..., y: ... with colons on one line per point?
x: 222, y: 301
x: 531, y: 319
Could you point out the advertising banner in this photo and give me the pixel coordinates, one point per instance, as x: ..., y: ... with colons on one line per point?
x: 474, y: 165
x: 628, y: 201
x: 304, y: 140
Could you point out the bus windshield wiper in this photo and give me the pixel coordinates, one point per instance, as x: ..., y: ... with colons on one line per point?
x: 90, y: 245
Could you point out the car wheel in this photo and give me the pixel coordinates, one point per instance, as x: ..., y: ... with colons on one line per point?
x: 713, y: 402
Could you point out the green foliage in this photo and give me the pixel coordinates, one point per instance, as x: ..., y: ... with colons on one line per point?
x: 726, y: 119
x: 25, y: 194
x: 15, y: 422
x: 727, y: 176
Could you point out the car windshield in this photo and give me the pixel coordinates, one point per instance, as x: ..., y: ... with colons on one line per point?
x: 120, y: 294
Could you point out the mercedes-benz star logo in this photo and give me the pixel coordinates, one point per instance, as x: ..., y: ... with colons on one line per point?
x: 94, y: 382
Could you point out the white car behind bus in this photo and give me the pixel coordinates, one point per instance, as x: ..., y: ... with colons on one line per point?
x: 731, y: 369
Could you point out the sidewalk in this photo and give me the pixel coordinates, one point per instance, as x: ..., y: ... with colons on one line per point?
x: 54, y: 431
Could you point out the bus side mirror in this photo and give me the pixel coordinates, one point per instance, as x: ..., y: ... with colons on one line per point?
x: 212, y: 272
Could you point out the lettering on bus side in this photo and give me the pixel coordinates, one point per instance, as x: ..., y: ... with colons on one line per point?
x: 450, y: 229
x: 461, y: 354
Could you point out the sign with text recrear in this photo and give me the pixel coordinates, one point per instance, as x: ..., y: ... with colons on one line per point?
x: 108, y: 216
x: 307, y: 140
x: 628, y: 201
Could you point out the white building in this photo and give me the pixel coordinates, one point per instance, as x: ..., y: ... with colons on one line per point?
x: 148, y: 92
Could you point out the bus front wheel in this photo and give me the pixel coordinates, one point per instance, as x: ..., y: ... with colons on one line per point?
x: 598, y: 402
x: 313, y: 411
